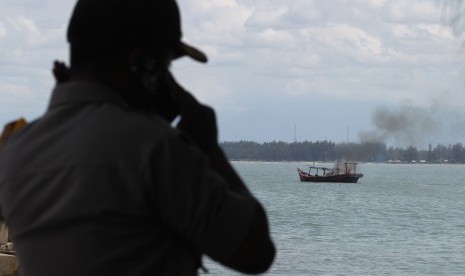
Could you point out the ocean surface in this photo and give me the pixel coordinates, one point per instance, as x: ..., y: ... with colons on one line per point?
x: 400, y: 219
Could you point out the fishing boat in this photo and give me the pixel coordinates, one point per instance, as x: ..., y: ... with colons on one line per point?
x: 315, y: 173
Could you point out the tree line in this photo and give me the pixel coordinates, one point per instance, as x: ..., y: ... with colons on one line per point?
x: 330, y: 151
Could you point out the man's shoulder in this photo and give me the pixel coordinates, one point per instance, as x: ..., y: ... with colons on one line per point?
x: 132, y: 123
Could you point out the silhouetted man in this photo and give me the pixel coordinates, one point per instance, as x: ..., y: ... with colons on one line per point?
x: 101, y: 184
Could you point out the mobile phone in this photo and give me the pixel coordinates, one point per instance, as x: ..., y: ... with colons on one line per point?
x: 158, y: 95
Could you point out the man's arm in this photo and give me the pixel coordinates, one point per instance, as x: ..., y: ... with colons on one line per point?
x: 256, y: 252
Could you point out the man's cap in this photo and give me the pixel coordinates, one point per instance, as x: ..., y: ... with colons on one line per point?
x: 129, y: 23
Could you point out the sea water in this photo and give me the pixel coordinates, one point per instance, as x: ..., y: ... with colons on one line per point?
x: 400, y: 219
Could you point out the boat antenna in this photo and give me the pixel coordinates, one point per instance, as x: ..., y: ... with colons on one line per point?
x: 348, y: 134
x: 295, y: 133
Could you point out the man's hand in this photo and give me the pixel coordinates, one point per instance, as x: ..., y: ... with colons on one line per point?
x: 197, y: 120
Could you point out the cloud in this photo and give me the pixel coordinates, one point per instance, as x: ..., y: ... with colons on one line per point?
x: 25, y: 31
x: 408, y: 11
x: 276, y: 38
x: 21, y: 23
x: 266, y: 17
x: 334, y: 56
x: 3, y: 32
x: 403, y: 31
x: 437, y: 30
x: 270, y: 14
x: 303, y: 12
x: 374, y: 3
x: 13, y: 96
x: 11, y: 89
x: 216, y: 21
x: 346, y: 40
x: 418, y: 30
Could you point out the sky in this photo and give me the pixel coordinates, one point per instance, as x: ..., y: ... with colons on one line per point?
x: 340, y: 70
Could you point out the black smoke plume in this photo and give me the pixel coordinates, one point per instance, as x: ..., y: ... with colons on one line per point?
x: 411, y: 125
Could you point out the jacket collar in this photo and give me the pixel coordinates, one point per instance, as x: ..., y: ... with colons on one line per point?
x: 76, y: 92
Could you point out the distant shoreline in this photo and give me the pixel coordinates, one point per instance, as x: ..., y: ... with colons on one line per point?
x: 368, y: 152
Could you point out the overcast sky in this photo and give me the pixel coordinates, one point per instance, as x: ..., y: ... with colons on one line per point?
x: 341, y: 70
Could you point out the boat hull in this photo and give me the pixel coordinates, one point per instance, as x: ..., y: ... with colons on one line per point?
x: 340, y: 178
